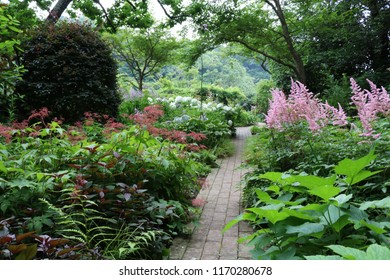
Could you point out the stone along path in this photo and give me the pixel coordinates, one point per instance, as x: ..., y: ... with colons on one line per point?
x: 222, y: 197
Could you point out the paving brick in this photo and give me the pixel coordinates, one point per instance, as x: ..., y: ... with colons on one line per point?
x: 192, y: 254
x: 212, y: 248
x: 214, y: 235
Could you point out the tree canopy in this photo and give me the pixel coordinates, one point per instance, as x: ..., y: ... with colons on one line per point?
x: 143, y: 51
x: 308, y: 40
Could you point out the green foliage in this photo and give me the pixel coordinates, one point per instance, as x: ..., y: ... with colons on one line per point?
x: 69, y: 71
x: 123, y: 197
x: 227, y: 96
x: 143, y: 52
x: 373, y: 252
x: 10, y: 71
x: 263, y: 95
x: 301, y: 215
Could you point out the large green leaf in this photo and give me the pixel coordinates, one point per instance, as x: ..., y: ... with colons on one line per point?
x: 348, y: 253
x: 378, y: 252
x: 383, y: 203
x: 335, y: 217
x: 299, y: 214
x: 341, y: 199
x: 325, y: 192
x: 351, y: 167
x: 305, y: 229
x: 263, y: 196
x: 312, y: 181
x: 373, y: 252
x: 272, y: 176
x: 273, y: 216
x: 375, y: 227
x: 239, y: 218
x: 362, y: 175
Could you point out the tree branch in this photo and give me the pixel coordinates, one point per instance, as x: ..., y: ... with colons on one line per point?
x: 265, y: 54
x: 165, y: 11
x: 106, y: 15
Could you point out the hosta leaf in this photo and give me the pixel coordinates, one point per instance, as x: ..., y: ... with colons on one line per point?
x: 383, y: 203
x: 305, y: 229
x: 325, y: 192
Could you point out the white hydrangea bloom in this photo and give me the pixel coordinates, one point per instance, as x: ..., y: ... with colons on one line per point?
x: 178, y: 99
x: 227, y: 108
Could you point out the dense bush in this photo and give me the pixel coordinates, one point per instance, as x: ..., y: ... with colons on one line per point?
x: 70, y: 71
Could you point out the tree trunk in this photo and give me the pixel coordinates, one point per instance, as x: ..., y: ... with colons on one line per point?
x: 57, y: 11
x: 299, y: 68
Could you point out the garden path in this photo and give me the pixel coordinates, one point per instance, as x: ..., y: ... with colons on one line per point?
x: 222, y: 196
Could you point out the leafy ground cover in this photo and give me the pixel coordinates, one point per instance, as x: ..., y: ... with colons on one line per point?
x: 320, y: 185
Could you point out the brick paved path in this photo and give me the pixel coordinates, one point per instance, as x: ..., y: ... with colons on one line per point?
x: 223, y: 201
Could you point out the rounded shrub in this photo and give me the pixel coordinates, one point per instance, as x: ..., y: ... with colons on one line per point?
x: 70, y: 71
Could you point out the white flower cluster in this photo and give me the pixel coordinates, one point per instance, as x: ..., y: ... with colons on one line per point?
x: 182, y: 119
x: 186, y: 101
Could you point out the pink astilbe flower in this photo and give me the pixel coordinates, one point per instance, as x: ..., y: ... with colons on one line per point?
x: 279, y: 112
x: 338, y: 116
x: 302, y: 105
x: 382, y: 99
x: 369, y: 104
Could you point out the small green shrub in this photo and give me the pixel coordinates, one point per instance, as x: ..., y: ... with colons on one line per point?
x: 70, y: 71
